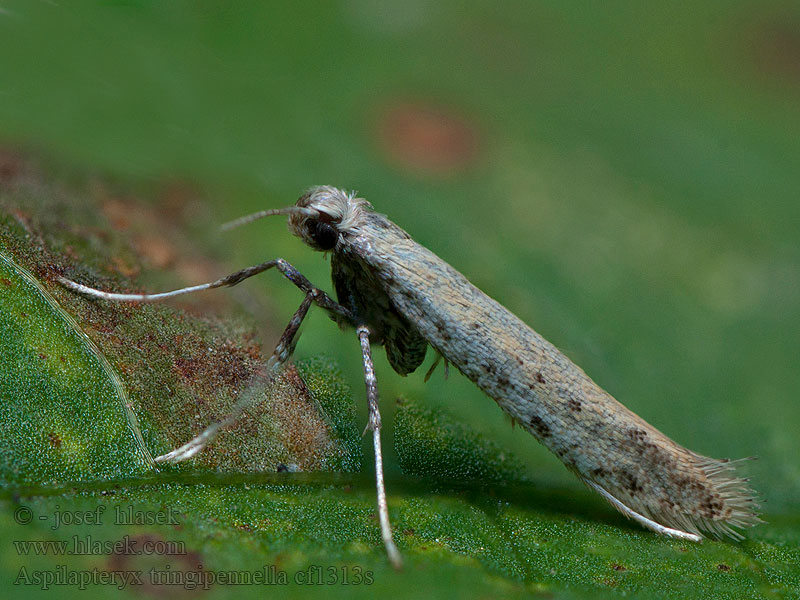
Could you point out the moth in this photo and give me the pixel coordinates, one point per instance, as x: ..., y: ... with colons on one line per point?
x: 398, y: 294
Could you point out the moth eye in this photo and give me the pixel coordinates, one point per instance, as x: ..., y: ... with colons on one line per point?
x: 324, y: 235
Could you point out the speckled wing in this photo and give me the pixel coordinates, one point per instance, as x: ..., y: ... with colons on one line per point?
x: 593, y: 434
x: 360, y: 290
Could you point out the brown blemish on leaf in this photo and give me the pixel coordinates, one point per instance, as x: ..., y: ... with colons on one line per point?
x: 618, y: 567
x: 176, y: 198
x: 156, y: 249
x: 196, y: 362
x: 421, y: 137
x: 122, y: 267
x: 157, y: 232
x: 776, y: 46
x: 175, y: 559
x: 54, y: 439
x: 723, y: 567
x: 253, y: 350
x: 117, y: 211
x: 188, y: 367
x: 11, y: 166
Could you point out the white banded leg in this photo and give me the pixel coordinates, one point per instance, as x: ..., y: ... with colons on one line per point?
x: 263, y: 377
x: 374, y: 424
x: 292, y: 274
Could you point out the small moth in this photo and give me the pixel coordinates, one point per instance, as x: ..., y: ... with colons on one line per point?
x: 398, y: 294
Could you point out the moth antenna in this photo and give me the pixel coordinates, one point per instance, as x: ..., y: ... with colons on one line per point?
x: 289, y: 210
x: 641, y: 519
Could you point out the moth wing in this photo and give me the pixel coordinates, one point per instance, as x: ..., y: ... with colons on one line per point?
x: 405, y: 348
x: 362, y: 292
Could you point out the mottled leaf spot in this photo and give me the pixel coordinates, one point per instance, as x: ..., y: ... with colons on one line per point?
x: 420, y: 137
x: 776, y: 47
x: 11, y: 166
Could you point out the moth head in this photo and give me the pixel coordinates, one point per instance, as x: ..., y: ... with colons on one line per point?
x: 323, y: 217
x: 330, y: 216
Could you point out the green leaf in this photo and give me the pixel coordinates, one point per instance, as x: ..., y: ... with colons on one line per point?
x: 429, y: 444
x: 65, y: 415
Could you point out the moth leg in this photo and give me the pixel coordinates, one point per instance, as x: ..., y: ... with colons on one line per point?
x: 254, y: 391
x: 266, y: 373
x: 439, y: 357
x: 641, y: 519
x: 320, y: 298
x: 433, y: 367
x: 374, y: 424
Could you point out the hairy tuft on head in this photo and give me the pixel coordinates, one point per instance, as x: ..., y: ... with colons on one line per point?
x: 343, y: 210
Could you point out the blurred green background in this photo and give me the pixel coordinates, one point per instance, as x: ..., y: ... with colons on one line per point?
x: 623, y: 176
